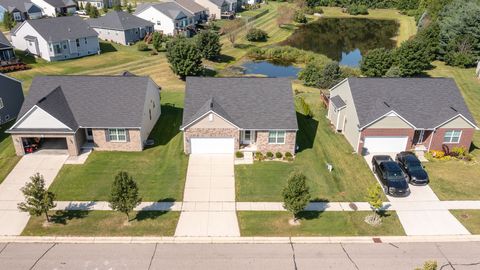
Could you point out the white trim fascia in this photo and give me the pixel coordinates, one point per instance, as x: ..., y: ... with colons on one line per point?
x: 8, y: 77
x: 39, y: 132
x: 338, y: 84
x: 30, y: 112
x: 109, y: 127
x: 205, y: 114
x: 18, y: 28
x: 464, y: 118
x: 381, y: 117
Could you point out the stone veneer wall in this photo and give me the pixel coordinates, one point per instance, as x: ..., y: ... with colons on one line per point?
x: 289, y: 145
x: 210, y: 133
x: 134, y: 143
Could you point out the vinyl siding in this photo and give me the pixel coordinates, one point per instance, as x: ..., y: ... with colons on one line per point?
x: 390, y: 122
x: 457, y: 122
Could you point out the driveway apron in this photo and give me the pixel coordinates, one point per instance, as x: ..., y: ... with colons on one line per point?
x: 209, y: 198
x: 422, y: 222
x: 12, y: 221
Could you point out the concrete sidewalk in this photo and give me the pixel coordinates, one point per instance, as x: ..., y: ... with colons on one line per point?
x: 12, y: 221
x: 210, y: 182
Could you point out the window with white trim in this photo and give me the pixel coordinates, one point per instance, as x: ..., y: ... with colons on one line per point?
x: 1, y: 103
x: 117, y: 135
x: 276, y: 137
x: 452, y: 136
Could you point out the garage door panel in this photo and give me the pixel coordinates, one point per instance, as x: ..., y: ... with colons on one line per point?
x: 384, y: 144
x: 212, y: 145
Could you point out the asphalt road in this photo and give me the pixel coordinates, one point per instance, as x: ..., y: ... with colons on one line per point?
x: 457, y: 255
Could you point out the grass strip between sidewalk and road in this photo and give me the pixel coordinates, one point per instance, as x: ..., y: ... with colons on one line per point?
x: 469, y: 218
x: 103, y: 223
x: 316, y: 224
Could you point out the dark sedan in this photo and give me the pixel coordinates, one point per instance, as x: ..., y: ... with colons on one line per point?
x: 413, y: 168
x: 391, y: 175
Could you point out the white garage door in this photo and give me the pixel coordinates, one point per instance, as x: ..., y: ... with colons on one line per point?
x: 385, y: 144
x: 212, y: 145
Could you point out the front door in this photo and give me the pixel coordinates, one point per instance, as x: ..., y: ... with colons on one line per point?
x: 420, y: 137
x: 89, y: 134
x: 247, y: 136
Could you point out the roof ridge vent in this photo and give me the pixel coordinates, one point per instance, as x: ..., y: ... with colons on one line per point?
x: 386, y: 104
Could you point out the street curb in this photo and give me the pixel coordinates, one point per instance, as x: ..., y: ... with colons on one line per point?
x: 239, y: 240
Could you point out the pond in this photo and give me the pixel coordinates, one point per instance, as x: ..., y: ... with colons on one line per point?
x: 270, y: 69
x: 344, y: 39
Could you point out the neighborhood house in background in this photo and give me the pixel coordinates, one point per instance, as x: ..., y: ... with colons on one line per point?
x: 110, y: 113
x: 224, y: 115
x: 169, y: 18
x: 381, y: 115
x: 99, y: 4
x: 121, y: 27
x: 11, y: 98
x: 20, y: 9
x: 218, y: 9
x: 7, y: 53
x: 54, y: 8
x: 55, y: 39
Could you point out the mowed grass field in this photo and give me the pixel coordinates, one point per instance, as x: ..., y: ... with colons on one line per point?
x: 8, y: 159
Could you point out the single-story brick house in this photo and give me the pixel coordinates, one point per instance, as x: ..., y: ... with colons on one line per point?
x: 108, y: 113
x: 398, y: 114
x: 224, y: 115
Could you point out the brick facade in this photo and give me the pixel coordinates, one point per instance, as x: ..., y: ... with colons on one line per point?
x: 134, y: 143
x: 209, y: 133
x: 409, y: 132
x: 289, y: 145
x: 465, y: 139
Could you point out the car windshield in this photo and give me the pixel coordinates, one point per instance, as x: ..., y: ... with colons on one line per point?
x: 395, y: 175
x: 415, y: 167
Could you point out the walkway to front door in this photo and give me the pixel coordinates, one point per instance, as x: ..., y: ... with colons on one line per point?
x: 209, y: 197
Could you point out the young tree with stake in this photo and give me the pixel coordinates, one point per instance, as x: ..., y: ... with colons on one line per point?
x: 124, y: 196
x: 296, y: 194
x: 38, y: 200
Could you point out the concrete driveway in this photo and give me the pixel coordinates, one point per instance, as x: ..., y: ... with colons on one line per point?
x: 13, y: 221
x: 422, y: 222
x: 209, y: 197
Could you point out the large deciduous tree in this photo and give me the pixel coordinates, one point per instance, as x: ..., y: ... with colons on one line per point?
x: 38, y: 200
x: 412, y: 58
x: 208, y: 42
x: 124, y: 195
x: 184, y: 57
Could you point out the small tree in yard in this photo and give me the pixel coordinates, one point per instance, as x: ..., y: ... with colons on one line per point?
x: 230, y: 28
x: 38, y: 200
x: 374, y: 198
x: 285, y: 15
x: 8, y: 21
x: 296, y: 194
x: 208, y: 42
x: 124, y: 195
x: 184, y: 57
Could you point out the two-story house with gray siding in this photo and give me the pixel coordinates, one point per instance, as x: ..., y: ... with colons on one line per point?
x: 11, y: 98
x: 55, y: 39
x: 20, y: 9
x: 121, y: 27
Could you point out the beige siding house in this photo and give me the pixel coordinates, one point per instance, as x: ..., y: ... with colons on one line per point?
x: 379, y: 115
x: 106, y: 113
x: 224, y: 115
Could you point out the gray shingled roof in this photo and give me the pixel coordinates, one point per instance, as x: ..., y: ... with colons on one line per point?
x: 171, y: 9
x: 337, y: 102
x: 60, y: 3
x: 424, y: 102
x: 21, y: 5
x: 218, y: 3
x: 61, y: 28
x: 4, y: 43
x: 94, y: 101
x: 191, y: 6
x: 118, y: 20
x: 249, y: 103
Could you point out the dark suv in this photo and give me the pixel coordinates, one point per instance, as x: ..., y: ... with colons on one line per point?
x: 391, y: 175
x: 413, y: 168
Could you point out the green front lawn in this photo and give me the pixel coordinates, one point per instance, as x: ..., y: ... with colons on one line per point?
x: 8, y: 159
x: 103, y: 223
x: 316, y: 224
x: 455, y: 180
x: 469, y: 218
x: 319, y: 145
x: 160, y: 171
